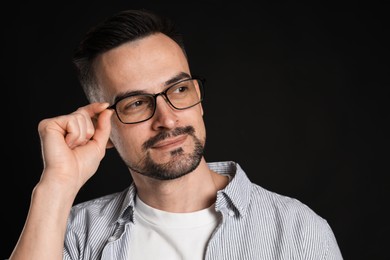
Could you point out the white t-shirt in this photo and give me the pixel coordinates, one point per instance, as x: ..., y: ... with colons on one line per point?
x: 164, y: 235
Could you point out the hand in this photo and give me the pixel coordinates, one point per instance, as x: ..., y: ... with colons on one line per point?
x: 73, y: 145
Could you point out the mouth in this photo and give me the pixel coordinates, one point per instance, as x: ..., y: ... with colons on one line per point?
x: 170, y: 143
x: 167, y: 139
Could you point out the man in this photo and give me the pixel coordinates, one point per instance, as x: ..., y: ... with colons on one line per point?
x: 179, y: 206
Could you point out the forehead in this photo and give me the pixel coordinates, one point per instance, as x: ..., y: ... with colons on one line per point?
x: 142, y: 65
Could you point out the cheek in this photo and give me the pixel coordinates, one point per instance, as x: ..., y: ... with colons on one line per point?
x: 115, y: 132
x: 199, y: 124
x: 126, y: 139
x: 202, y: 130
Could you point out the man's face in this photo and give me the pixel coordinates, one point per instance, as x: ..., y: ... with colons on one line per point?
x: 171, y: 143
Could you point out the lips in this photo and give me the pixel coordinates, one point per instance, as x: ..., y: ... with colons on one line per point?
x: 170, y: 142
x: 168, y: 137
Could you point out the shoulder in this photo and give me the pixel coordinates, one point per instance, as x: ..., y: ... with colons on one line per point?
x: 282, y: 218
x: 293, y: 221
x: 108, y: 207
x: 253, y: 197
x: 91, y: 223
x: 284, y: 207
x: 279, y: 201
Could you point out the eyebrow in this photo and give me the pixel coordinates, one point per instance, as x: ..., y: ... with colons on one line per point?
x: 174, y: 79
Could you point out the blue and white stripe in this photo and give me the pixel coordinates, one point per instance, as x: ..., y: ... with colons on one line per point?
x: 256, y: 224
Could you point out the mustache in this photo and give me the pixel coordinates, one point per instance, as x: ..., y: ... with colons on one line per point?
x: 190, y: 130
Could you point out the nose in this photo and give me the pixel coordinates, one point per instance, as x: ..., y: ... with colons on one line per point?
x: 165, y: 116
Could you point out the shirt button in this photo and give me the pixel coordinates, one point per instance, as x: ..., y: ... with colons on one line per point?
x: 110, y: 239
x: 231, y: 213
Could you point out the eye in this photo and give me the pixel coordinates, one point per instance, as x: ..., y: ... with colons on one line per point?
x: 135, y: 103
x: 180, y: 89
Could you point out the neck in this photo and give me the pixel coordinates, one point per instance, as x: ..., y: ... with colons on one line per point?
x: 192, y: 192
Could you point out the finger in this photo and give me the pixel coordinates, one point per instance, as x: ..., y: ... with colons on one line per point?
x: 80, y: 128
x: 93, y: 109
x: 103, y: 128
x: 75, y: 129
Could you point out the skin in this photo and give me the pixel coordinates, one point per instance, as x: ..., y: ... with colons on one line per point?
x: 73, y: 146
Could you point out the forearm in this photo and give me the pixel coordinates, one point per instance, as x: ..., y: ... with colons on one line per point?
x: 72, y: 148
x: 44, y: 230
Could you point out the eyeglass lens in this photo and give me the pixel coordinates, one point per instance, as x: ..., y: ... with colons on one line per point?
x: 181, y: 95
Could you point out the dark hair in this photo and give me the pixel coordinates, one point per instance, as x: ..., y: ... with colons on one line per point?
x: 122, y: 27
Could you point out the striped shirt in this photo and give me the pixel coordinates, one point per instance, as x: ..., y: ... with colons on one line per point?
x: 255, y: 224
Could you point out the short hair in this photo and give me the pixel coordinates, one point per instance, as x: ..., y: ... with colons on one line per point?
x: 124, y: 26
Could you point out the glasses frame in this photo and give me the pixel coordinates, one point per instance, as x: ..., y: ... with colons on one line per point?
x: 201, y: 82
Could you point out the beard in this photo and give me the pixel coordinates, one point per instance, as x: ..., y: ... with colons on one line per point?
x: 179, y: 164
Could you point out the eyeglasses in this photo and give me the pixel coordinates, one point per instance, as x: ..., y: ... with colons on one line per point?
x: 137, y: 108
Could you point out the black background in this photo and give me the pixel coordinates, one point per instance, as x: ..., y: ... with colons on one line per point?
x: 297, y: 94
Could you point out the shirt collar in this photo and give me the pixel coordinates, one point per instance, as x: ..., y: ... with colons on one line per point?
x: 235, y: 196
x: 126, y: 211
